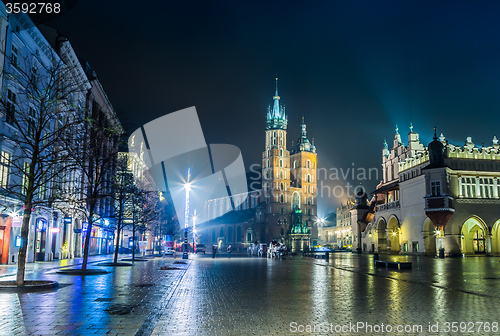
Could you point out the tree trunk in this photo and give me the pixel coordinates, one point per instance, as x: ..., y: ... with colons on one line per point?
x: 117, y: 245
x: 21, y: 262
x: 87, y: 237
x: 133, y: 241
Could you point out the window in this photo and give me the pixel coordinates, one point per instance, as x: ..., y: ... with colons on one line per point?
x: 31, y: 123
x: 34, y: 76
x: 308, y: 178
x: 282, y: 198
x: 268, y: 163
x: 415, y: 246
x: 15, y: 56
x: 42, y: 190
x: 486, y: 188
x: 468, y: 187
x: 4, y: 169
x: 281, y: 185
x: 281, y: 163
x: 25, y: 178
x: 294, y: 164
x: 281, y: 152
x: 11, y: 107
x: 308, y: 163
x: 435, y: 188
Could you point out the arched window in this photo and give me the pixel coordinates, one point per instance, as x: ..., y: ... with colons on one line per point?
x: 308, y: 189
x: 281, y: 163
x: 295, y: 201
x: 282, y: 186
x: 308, y: 163
x: 309, y: 201
x: 282, y: 199
x: 281, y: 174
x: 294, y: 164
x: 308, y: 179
x: 281, y: 152
x: 268, y: 163
x: 268, y: 154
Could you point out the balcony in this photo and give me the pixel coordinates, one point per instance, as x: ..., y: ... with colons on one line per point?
x: 438, y: 203
x: 388, y: 206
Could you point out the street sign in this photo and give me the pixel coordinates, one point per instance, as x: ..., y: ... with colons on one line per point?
x: 67, y: 220
x: 77, y: 230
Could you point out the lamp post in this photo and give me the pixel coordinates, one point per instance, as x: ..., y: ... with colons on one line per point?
x: 186, y: 217
x: 194, y: 231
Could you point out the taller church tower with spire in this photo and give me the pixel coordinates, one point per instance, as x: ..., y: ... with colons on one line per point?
x: 289, y: 183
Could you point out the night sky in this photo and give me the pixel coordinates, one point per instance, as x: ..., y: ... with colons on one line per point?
x: 354, y: 69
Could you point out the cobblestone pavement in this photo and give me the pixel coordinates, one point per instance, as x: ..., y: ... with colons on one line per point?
x: 255, y: 296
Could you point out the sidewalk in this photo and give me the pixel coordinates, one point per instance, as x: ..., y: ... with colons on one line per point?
x: 42, y: 266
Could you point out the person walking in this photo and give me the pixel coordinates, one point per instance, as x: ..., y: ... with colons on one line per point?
x: 214, y: 251
x: 229, y: 252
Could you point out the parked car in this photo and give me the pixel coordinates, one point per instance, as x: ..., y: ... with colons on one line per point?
x: 169, y: 251
x: 201, y: 248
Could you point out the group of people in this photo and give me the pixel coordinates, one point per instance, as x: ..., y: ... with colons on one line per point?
x: 214, y: 251
x: 272, y: 249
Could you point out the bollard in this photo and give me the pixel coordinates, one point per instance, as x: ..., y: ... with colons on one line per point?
x: 375, y: 257
x: 327, y: 255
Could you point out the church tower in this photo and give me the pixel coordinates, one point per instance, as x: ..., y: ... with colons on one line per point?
x: 303, y: 160
x: 276, y: 171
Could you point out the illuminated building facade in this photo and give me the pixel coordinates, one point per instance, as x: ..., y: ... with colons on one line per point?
x: 343, y: 230
x: 437, y: 200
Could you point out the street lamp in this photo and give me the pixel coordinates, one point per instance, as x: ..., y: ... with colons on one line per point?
x: 187, y: 186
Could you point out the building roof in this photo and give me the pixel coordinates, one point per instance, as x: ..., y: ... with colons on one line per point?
x: 232, y: 217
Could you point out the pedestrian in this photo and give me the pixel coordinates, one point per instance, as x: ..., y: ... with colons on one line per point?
x: 229, y: 252
x: 214, y: 251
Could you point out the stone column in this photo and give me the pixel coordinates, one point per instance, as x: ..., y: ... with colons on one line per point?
x: 488, y: 245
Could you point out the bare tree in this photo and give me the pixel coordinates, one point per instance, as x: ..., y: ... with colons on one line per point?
x: 124, y: 188
x: 40, y: 111
x: 95, y: 155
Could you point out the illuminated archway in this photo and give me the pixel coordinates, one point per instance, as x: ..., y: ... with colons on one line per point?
x: 495, y: 238
x: 393, y: 235
x: 473, y: 236
x: 429, y: 237
x: 381, y: 235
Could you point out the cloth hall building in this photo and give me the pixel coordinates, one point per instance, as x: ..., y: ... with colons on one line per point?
x: 441, y: 200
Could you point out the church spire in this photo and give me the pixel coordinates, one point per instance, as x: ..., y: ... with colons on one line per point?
x: 276, y: 117
x: 303, y: 128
